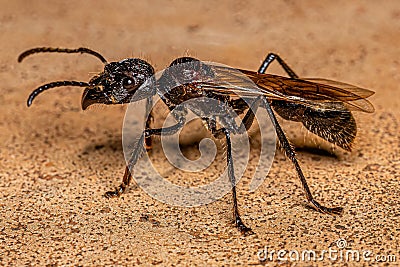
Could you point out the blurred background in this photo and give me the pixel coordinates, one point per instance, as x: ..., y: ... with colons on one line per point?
x: 56, y: 161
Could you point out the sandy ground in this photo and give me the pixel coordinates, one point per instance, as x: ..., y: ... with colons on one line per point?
x: 56, y: 161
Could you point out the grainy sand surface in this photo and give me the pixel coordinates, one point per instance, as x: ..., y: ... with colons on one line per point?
x: 56, y: 161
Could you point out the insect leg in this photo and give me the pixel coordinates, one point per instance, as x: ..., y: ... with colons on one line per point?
x: 292, y: 156
x: 238, y: 221
x: 149, y: 120
x: 218, y: 133
x: 271, y: 57
x: 137, y: 152
x: 250, y: 114
x: 126, y: 180
x: 251, y: 104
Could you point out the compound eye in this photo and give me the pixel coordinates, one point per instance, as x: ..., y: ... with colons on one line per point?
x: 128, y: 83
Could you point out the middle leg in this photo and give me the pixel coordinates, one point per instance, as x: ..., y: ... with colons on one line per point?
x: 219, y: 133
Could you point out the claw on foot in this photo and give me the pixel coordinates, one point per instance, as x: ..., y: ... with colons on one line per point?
x: 322, y: 209
x: 148, y: 144
x: 116, y: 193
x: 243, y: 228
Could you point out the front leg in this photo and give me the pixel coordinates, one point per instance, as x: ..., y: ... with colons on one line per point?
x: 137, y: 152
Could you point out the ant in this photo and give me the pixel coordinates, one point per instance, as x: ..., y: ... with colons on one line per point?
x: 322, y: 106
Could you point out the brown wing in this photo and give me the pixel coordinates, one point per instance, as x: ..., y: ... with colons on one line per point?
x: 313, y: 92
x: 314, y: 89
x: 323, y: 106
